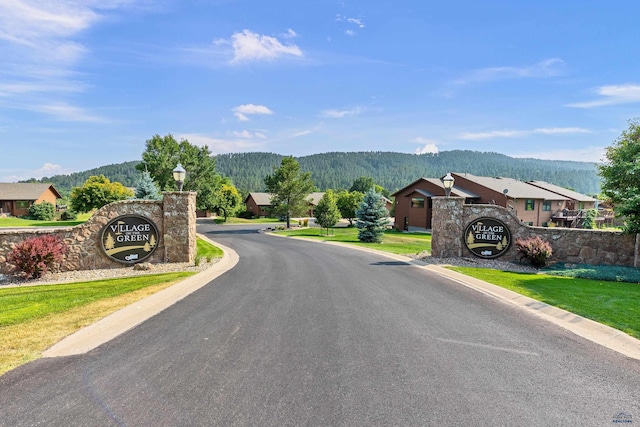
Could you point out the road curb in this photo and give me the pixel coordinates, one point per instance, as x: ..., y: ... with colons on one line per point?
x: 129, y: 317
x: 591, y: 330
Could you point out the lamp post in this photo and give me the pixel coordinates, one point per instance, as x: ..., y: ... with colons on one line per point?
x: 179, y: 174
x: 447, y: 182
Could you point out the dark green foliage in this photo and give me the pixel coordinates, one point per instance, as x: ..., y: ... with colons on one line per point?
x: 612, y: 273
x: 43, y: 211
x: 36, y: 256
x: 68, y: 215
x: 146, y: 188
x: 535, y: 250
x: 621, y: 176
x: 590, y: 219
x: 363, y: 184
x: 390, y: 170
x: 372, y: 218
x: 396, y: 170
x: 290, y: 188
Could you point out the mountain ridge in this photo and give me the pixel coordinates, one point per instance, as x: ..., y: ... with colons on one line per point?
x: 392, y: 170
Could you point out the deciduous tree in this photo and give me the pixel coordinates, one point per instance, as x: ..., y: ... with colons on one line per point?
x: 621, y: 176
x: 327, y: 213
x: 96, y: 192
x: 348, y: 203
x: 289, y: 188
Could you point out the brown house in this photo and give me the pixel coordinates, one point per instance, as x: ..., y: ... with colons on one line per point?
x: 532, y: 204
x: 16, y: 198
x: 413, y: 203
x: 259, y: 203
x: 577, y: 205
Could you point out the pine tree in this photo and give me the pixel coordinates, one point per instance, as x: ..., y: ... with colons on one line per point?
x: 327, y: 212
x: 146, y: 188
x: 372, y: 218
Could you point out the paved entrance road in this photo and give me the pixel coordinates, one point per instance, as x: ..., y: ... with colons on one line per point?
x: 302, y: 333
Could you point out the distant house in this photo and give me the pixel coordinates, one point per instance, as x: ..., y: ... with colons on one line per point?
x: 577, y: 205
x: 16, y: 198
x: 532, y: 204
x: 259, y: 203
x: 413, y: 203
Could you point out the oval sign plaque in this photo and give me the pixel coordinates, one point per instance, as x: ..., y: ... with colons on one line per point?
x: 487, y: 237
x: 129, y: 238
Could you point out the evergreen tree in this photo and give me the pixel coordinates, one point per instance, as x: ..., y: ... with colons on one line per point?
x: 327, y: 212
x: 289, y: 188
x: 146, y: 188
x: 372, y: 218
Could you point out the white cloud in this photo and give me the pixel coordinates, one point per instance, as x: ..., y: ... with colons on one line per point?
x: 543, y: 69
x: 40, y: 46
x: 474, y: 136
x: 250, y: 46
x: 357, y: 22
x: 242, y: 111
x: 65, y: 112
x: 47, y: 169
x: 429, y: 146
x: 612, y: 95
x: 220, y: 145
x: 588, y: 154
x: 245, y: 134
x: 339, y: 114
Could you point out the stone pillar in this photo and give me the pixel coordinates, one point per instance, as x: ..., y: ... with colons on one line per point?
x: 447, y: 227
x: 179, y: 226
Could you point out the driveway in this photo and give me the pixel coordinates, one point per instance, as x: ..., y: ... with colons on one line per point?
x: 302, y: 333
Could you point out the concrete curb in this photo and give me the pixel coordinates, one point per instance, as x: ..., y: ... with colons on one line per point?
x: 598, y: 333
x: 129, y: 317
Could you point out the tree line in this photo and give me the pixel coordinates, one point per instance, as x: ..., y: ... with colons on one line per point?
x: 390, y: 170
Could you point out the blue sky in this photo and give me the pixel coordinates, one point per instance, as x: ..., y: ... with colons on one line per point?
x: 86, y: 83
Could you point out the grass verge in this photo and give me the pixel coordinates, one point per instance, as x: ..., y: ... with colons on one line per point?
x: 33, y: 318
x: 394, y: 241
x: 611, y: 303
x: 205, y: 250
x: 20, y: 222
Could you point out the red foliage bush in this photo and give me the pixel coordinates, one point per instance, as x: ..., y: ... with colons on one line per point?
x: 534, y: 250
x: 36, y: 256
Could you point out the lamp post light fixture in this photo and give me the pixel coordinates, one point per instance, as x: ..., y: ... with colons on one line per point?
x: 447, y: 182
x: 179, y: 174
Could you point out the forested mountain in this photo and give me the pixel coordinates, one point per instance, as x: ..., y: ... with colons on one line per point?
x: 396, y: 170
x: 390, y: 170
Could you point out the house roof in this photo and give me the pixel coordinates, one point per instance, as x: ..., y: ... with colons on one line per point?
x: 515, y: 189
x: 264, y: 199
x: 573, y: 195
x: 25, y: 191
x: 455, y: 191
x: 261, y: 199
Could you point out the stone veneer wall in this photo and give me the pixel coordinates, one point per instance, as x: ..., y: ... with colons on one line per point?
x: 595, y: 247
x: 174, y: 216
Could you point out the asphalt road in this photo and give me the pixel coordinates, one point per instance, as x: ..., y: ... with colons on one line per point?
x: 302, y: 333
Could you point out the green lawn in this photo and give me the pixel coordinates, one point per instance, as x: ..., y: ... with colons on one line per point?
x: 394, y: 241
x: 206, y: 250
x: 19, y: 222
x: 24, y: 303
x: 612, y: 303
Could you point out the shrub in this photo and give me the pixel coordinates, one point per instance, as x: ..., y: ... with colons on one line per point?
x: 68, y: 215
x: 43, y: 211
x: 36, y: 256
x: 535, y: 250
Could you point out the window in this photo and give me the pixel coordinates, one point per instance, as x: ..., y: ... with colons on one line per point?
x: 529, y: 205
x: 546, y: 205
x: 417, y: 202
x: 22, y: 204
